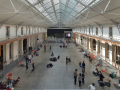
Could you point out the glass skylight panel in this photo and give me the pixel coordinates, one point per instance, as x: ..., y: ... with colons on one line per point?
x: 63, y: 1
x: 71, y: 5
x: 40, y: 8
x: 50, y: 9
x: 57, y: 7
x: 46, y: 1
x: 66, y: 14
x: 62, y: 6
x: 73, y: 13
x: 73, y: 1
x: 32, y: 1
x: 86, y: 2
x: 79, y: 7
x: 68, y: 10
x: 56, y: 1
x: 58, y: 11
x: 48, y: 5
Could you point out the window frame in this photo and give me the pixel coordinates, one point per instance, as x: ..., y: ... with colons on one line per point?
x: 96, y: 30
x: 109, y: 31
x: 22, y: 31
x: 7, y: 32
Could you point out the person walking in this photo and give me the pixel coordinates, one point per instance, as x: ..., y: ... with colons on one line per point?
x: 79, y: 79
x: 26, y: 66
x: 45, y: 48
x: 50, y: 47
x: 75, y: 76
x: 33, y: 66
x: 83, y: 66
x: 29, y: 58
x: 101, y: 76
x: 83, y: 76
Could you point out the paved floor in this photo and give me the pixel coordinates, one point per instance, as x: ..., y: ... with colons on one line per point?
x: 59, y: 76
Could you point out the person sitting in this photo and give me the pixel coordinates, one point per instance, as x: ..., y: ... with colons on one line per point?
x: 80, y: 64
x: 8, y: 88
x: 95, y: 72
x: 2, y: 86
x: 58, y: 57
x: 49, y: 65
x: 52, y: 54
x: 53, y: 59
x: 60, y: 46
x: 16, y: 81
x: 21, y: 64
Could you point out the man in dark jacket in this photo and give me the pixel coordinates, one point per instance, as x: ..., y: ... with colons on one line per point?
x: 101, y: 76
x: 83, y: 66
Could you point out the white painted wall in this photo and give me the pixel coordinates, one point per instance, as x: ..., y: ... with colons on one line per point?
x: 3, y: 32
x: 103, y: 49
x: 19, y: 31
x: 106, y: 32
x: 12, y: 31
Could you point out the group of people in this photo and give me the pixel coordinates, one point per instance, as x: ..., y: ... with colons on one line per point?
x: 81, y: 77
x: 68, y: 60
x: 10, y: 83
x: 28, y: 59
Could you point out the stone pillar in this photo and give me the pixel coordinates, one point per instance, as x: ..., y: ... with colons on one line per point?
x: 106, y: 50
x: 97, y: 46
x: 87, y: 43
x: 110, y: 53
x: 113, y: 53
x: 4, y: 53
x: 28, y: 44
x: 12, y: 50
x: 21, y: 46
x: 7, y: 52
x: 33, y: 42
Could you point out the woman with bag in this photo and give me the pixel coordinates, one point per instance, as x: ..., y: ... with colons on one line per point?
x: 79, y: 79
x: 75, y: 76
x: 83, y: 76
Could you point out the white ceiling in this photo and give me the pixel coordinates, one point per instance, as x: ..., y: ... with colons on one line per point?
x: 59, y: 13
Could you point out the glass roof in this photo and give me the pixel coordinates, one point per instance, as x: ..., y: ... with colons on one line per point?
x: 62, y: 11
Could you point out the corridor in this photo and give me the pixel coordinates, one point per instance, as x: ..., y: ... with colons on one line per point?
x: 59, y: 76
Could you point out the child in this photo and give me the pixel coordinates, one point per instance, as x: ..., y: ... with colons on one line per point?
x: 80, y: 64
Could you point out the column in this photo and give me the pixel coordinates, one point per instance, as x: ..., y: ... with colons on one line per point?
x: 113, y: 55
x: 106, y: 50
x: 4, y: 56
x: 12, y: 50
x: 97, y: 46
x: 21, y: 46
x: 33, y: 42
x: 87, y: 43
x: 28, y: 44
x: 74, y: 38
x: 7, y: 52
x: 110, y: 53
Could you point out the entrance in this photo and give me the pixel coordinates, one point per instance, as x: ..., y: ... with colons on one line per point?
x: 1, y: 53
x: 25, y: 44
x: 94, y: 44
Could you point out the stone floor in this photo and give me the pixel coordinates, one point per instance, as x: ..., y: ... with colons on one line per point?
x: 59, y: 76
